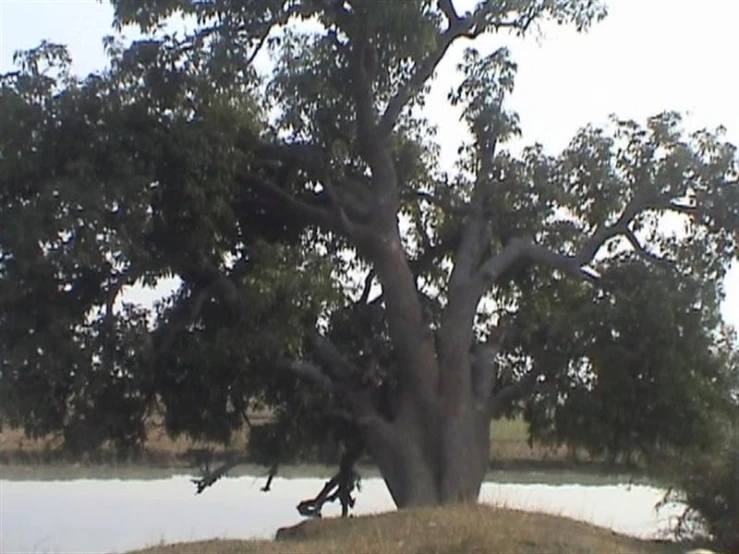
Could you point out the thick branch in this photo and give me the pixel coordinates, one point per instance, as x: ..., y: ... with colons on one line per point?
x: 363, y: 50
x: 412, y: 340
x: 422, y: 74
x: 447, y: 8
x: 522, y: 248
x: 468, y: 27
x: 317, y: 215
x: 206, y: 282
x: 330, y: 356
x: 512, y: 393
x: 338, y: 376
x: 519, y: 248
x: 465, y: 289
x: 308, y: 371
x: 342, y: 207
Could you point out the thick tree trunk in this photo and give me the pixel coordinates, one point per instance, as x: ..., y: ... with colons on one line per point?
x: 434, y: 453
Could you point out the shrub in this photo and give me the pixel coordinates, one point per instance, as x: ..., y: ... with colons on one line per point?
x: 708, y: 483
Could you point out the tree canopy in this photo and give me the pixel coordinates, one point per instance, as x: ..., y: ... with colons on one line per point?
x: 328, y: 269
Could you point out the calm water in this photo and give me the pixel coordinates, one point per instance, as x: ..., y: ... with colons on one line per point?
x: 114, y: 515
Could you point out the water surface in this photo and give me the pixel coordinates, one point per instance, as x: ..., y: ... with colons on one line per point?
x: 109, y: 515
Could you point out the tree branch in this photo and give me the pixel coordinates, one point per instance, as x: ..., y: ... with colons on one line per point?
x: 320, y: 216
x: 206, y: 282
x: 443, y: 203
x: 484, y: 367
x: 209, y: 478
x: 270, y: 476
x: 340, y: 377
x: 422, y: 73
x: 467, y: 27
x: 519, y: 248
x: 309, y: 371
x: 639, y: 248
x: 353, y: 229
x: 447, y: 8
x: 339, y: 487
x: 129, y: 275
x: 330, y: 356
x: 367, y: 288
x: 513, y: 392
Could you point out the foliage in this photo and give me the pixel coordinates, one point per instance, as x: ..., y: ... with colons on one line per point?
x: 705, y: 478
x: 707, y: 483
x: 645, y: 369
x: 325, y: 267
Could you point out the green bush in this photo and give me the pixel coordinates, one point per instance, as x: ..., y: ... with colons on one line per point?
x: 708, y: 484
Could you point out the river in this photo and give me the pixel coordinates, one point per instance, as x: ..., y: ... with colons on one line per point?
x: 109, y: 515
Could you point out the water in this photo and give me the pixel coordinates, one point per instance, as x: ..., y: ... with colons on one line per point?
x: 115, y: 515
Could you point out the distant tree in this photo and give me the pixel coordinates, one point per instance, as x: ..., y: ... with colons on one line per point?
x: 328, y: 269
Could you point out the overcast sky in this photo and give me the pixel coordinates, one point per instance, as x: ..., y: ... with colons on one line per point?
x: 646, y: 57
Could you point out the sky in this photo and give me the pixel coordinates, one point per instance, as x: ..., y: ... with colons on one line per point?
x: 646, y: 57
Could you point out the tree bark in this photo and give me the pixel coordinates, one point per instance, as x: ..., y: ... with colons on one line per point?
x: 434, y: 452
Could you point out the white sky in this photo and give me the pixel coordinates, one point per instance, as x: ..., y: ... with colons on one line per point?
x: 646, y: 57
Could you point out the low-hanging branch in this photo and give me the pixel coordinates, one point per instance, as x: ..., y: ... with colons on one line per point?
x: 340, y: 487
x: 270, y: 477
x: 207, y: 282
x: 336, y: 375
x: 522, y: 388
x: 210, y: 477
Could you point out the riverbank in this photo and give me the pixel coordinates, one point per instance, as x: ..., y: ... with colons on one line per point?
x: 525, y: 473
x: 512, y: 460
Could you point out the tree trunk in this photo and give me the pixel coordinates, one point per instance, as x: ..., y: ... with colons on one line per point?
x: 434, y: 452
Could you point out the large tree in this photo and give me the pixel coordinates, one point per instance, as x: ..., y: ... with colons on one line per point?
x: 328, y: 268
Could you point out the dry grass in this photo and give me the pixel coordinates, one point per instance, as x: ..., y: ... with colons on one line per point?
x: 511, y: 460
x: 459, y: 530
x: 159, y: 450
x: 508, y: 445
